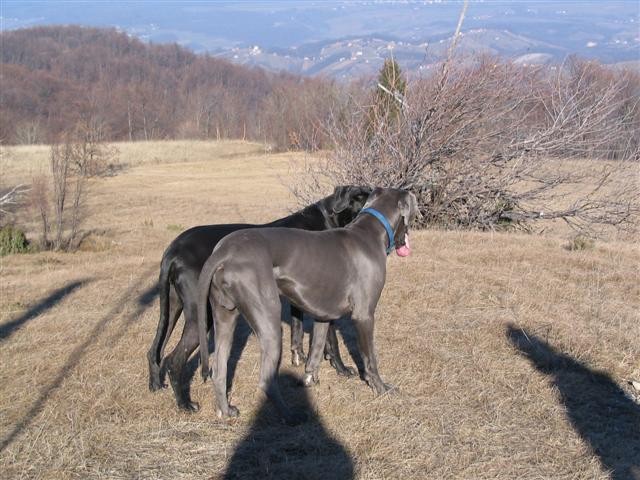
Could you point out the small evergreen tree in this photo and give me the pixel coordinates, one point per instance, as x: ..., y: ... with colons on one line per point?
x: 388, y: 98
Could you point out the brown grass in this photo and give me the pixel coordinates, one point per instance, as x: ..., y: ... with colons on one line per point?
x: 74, y: 396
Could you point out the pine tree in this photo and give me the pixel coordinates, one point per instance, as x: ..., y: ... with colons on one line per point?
x: 388, y: 98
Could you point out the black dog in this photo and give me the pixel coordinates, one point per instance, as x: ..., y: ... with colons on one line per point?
x: 181, y: 265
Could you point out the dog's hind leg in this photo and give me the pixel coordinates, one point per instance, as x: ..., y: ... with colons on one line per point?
x: 174, y: 315
x: 177, y: 359
x: 332, y: 353
x: 224, y: 325
x: 170, y: 309
x: 318, y: 341
x: 297, y: 334
x: 262, y: 311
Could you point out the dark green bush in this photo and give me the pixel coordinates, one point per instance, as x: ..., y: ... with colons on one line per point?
x: 12, y: 240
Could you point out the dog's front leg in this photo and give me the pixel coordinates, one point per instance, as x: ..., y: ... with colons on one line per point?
x: 332, y: 353
x: 364, y: 329
x: 297, y: 335
x: 318, y: 340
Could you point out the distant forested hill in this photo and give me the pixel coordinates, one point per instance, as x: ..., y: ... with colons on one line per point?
x: 54, y: 78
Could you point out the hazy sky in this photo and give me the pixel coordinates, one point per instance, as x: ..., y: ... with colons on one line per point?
x: 286, y: 23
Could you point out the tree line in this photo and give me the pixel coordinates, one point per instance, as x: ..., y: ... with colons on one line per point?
x: 56, y: 78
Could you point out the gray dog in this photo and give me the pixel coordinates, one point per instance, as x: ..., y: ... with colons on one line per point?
x: 328, y: 274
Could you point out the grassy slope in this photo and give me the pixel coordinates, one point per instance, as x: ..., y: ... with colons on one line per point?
x: 74, y: 399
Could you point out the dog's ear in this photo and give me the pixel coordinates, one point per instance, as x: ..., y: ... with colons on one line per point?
x: 359, y: 196
x: 341, y: 197
x: 408, y: 206
x: 363, y: 190
x: 372, y: 195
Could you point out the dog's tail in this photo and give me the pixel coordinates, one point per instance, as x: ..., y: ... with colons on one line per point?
x: 156, y: 352
x: 204, y: 287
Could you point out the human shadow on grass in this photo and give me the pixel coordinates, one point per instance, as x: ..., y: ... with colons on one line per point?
x: 9, y: 328
x: 597, y: 408
x: 273, y: 450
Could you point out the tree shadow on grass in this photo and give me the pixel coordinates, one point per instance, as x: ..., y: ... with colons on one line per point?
x: 272, y: 450
x: 9, y: 328
x: 143, y: 301
x: 75, y: 357
x: 149, y: 295
x: 597, y: 408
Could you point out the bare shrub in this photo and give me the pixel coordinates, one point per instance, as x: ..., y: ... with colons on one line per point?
x: 479, y: 144
x: 72, y: 162
x: 584, y: 110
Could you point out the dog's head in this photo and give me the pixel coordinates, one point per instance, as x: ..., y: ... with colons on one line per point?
x: 345, y: 203
x: 400, y: 207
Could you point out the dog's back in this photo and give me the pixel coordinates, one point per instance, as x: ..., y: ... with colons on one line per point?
x: 307, y: 267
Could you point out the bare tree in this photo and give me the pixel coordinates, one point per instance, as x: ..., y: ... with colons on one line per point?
x: 71, y: 162
x: 60, y: 162
x: 481, y: 147
x: 39, y: 202
x: 90, y: 154
x: 28, y: 133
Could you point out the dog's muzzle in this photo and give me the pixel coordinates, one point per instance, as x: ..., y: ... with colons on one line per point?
x: 403, y: 250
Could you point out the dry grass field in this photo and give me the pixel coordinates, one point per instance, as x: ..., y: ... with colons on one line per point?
x: 510, y: 352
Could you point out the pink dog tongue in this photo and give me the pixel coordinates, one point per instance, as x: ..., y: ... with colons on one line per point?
x: 405, y: 250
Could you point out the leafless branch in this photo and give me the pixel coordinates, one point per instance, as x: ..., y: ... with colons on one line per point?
x: 12, y: 198
x: 488, y: 147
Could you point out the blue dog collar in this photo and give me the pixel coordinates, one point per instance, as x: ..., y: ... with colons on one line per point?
x: 385, y: 223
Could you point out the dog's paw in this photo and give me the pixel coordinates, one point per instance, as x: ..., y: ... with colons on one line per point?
x: 231, y: 412
x: 155, y: 385
x: 379, y: 387
x: 387, y: 388
x: 345, y: 371
x: 310, y: 379
x: 298, y: 357
x: 189, y: 406
x: 206, y: 374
